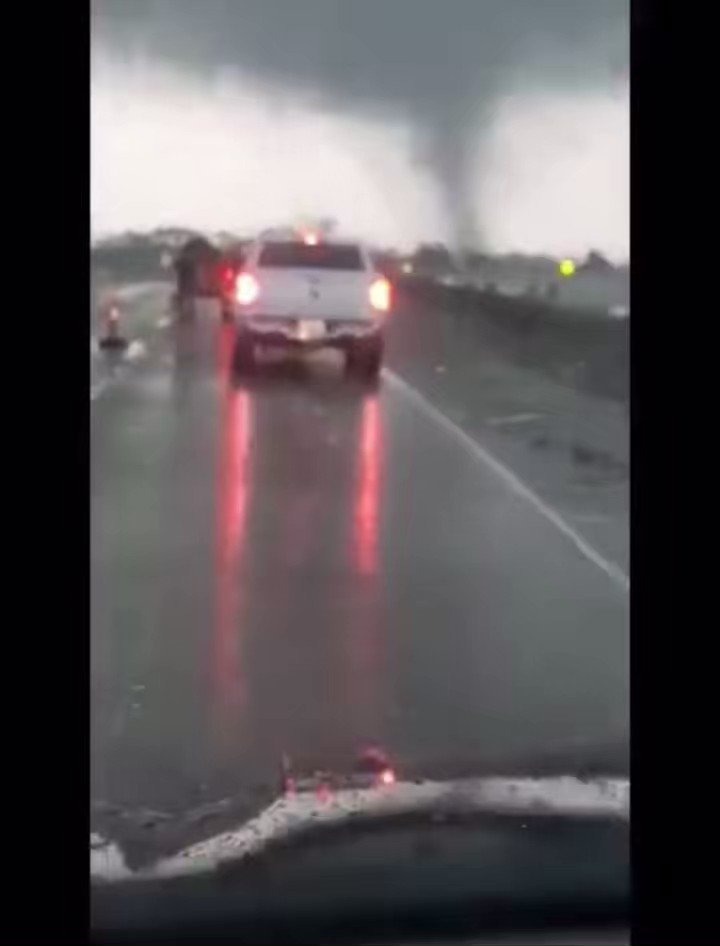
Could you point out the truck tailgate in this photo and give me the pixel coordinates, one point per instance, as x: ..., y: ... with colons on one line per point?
x: 313, y: 294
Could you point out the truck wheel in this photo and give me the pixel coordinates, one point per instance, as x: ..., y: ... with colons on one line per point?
x: 185, y: 309
x: 364, y: 357
x: 243, y: 354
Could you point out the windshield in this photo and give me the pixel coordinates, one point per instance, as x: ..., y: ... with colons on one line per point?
x: 295, y: 255
x: 334, y: 514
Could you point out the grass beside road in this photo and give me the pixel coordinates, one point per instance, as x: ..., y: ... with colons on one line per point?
x: 548, y: 401
x: 585, y: 349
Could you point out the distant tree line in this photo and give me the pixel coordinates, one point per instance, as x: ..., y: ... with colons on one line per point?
x: 152, y: 255
x: 146, y: 255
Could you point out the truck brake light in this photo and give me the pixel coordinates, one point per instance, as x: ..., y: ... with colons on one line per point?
x: 247, y: 289
x: 380, y: 294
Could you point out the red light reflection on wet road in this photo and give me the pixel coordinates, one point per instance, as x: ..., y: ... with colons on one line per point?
x: 364, y: 632
x: 231, y: 513
x: 366, y: 502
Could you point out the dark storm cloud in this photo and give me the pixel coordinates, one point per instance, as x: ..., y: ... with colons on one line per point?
x: 441, y: 62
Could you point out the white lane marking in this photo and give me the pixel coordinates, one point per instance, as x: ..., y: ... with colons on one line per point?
x: 510, y: 479
x: 97, y: 389
x: 136, y: 350
x: 138, y: 290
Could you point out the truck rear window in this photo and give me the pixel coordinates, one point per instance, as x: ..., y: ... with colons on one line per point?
x: 343, y: 256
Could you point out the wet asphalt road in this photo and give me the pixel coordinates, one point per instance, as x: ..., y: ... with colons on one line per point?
x: 303, y: 566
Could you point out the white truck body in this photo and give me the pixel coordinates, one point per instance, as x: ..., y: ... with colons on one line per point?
x: 323, y: 288
x: 308, y: 294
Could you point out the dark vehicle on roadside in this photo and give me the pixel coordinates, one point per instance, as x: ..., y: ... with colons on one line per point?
x: 197, y: 268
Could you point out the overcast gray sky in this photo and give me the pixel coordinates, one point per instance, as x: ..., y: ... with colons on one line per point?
x: 502, y: 121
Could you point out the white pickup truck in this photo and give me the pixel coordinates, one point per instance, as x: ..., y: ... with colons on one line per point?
x: 309, y: 293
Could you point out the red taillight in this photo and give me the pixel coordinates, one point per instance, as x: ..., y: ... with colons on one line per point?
x: 227, y: 278
x: 380, y: 295
x: 387, y: 777
x: 246, y: 289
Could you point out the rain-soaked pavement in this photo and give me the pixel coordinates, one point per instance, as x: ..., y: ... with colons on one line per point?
x: 302, y: 566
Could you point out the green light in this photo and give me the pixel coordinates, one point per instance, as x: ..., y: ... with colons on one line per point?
x: 566, y: 267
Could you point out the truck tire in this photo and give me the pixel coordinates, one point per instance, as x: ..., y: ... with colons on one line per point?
x: 243, y: 354
x: 364, y: 357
